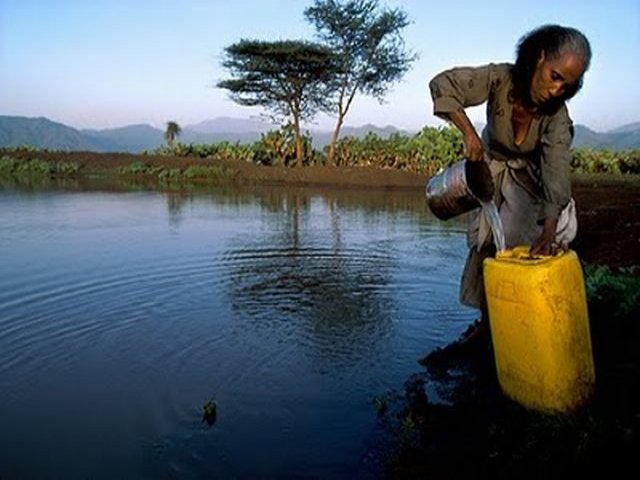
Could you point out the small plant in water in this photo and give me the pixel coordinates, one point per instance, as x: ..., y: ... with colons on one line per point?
x: 381, y: 404
x: 210, y: 412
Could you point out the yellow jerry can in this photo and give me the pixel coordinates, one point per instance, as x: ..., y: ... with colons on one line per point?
x: 540, y: 329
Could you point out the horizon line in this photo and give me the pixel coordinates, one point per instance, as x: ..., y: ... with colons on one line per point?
x: 266, y: 123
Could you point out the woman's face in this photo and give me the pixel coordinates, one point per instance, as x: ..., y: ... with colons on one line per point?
x: 553, y: 77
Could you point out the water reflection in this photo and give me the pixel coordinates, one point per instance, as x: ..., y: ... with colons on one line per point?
x: 270, y: 197
x: 176, y: 201
x: 334, y: 299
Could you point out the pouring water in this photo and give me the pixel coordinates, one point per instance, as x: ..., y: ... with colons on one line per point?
x: 490, y: 211
x: 459, y: 189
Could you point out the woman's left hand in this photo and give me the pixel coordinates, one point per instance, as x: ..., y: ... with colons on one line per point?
x: 545, y: 244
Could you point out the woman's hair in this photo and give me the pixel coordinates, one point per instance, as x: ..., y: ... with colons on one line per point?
x: 553, y: 40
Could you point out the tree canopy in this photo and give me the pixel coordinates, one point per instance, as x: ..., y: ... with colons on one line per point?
x: 292, y: 79
x: 173, y: 130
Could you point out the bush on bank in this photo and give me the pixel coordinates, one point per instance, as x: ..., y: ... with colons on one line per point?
x: 425, y: 152
x: 34, y: 167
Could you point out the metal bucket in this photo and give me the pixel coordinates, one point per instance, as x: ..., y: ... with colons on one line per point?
x: 457, y: 189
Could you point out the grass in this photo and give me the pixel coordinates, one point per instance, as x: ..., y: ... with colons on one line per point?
x: 34, y: 167
x: 193, y: 172
x: 31, y: 168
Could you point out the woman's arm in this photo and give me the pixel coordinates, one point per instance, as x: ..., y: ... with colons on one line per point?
x: 556, y: 185
x: 473, y: 146
x: 455, y: 89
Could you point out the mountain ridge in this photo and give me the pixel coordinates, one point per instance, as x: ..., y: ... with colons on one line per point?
x: 42, y: 132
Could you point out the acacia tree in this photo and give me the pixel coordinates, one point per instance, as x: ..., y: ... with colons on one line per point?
x: 173, y: 130
x: 292, y: 79
x: 366, y: 38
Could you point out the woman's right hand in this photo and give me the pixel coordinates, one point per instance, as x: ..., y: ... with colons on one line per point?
x: 473, y: 147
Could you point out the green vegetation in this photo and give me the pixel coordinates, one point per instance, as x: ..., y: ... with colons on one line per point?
x: 425, y: 152
x: 614, y: 309
x: 193, y: 172
x: 34, y: 167
x: 279, y: 147
x: 617, y: 292
x: 588, y: 160
x: 223, y: 150
x: 276, y: 147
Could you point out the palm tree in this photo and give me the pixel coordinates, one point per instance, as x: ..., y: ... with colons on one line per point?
x: 173, y: 131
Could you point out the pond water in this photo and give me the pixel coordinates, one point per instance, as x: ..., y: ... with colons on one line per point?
x: 122, y: 313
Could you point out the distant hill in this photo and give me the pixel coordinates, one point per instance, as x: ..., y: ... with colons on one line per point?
x: 229, y: 125
x: 621, y: 138
x: 43, y: 133
x: 243, y: 130
x: 323, y: 138
x: 132, y: 138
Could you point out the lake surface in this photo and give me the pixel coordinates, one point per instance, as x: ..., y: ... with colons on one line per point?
x: 123, y: 313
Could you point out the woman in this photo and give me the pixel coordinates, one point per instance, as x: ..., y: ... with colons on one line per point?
x: 526, y: 141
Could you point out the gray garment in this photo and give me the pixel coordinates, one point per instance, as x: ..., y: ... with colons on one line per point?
x: 516, y: 202
x: 546, y: 144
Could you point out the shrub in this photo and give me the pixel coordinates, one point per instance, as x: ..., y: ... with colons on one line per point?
x: 618, y: 291
x: 136, y: 168
x: 425, y: 152
x: 278, y: 147
x: 209, y: 172
x: 166, y: 174
x: 34, y: 167
x: 588, y: 160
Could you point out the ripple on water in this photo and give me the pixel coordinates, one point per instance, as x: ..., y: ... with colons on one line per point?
x: 46, y: 312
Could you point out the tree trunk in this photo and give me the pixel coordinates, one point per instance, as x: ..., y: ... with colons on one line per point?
x: 296, y: 133
x: 334, y: 140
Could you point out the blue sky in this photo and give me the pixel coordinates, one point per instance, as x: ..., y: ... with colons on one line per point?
x: 102, y: 64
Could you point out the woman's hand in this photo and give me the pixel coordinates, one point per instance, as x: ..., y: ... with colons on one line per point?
x: 545, y: 244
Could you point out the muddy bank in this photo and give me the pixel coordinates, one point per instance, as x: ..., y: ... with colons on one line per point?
x: 241, y: 172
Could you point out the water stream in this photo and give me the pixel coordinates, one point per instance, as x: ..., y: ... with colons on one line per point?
x: 490, y: 211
